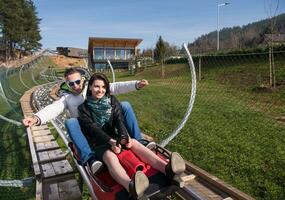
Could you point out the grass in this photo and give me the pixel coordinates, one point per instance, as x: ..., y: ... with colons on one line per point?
x: 15, y: 160
x: 232, y: 131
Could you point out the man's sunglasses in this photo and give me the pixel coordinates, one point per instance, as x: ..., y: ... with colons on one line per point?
x: 72, y: 83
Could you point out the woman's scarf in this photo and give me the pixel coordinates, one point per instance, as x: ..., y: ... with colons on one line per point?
x: 100, y: 109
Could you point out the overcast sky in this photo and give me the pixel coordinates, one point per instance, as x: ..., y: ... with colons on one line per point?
x: 70, y: 23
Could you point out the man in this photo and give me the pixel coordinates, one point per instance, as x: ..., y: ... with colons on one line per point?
x: 74, y: 93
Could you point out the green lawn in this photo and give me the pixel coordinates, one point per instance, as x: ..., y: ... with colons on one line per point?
x: 232, y: 131
x: 15, y: 160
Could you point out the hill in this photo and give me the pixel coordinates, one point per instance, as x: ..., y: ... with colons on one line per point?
x: 237, y: 38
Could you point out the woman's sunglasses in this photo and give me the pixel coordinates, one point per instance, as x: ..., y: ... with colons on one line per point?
x: 72, y: 83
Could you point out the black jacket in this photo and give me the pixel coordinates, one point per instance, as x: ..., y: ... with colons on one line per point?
x: 93, y: 132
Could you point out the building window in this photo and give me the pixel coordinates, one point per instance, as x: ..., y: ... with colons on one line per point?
x: 100, y: 66
x: 130, y: 53
x: 120, y: 54
x: 98, y: 53
x: 110, y: 53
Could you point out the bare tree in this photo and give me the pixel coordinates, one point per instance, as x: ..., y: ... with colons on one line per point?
x: 271, y: 7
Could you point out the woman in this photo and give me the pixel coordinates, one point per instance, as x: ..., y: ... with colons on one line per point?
x: 101, y: 120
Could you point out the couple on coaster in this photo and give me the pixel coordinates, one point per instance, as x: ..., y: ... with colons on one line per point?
x: 102, y: 120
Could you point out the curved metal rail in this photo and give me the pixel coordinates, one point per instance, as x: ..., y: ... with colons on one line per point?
x: 191, y: 101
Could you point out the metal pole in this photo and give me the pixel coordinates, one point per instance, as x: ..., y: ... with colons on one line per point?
x: 218, y: 34
x: 218, y: 23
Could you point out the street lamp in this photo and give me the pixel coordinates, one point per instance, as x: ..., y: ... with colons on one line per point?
x: 218, y: 34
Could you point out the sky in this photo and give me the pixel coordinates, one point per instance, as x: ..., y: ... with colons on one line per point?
x: 69, y: 23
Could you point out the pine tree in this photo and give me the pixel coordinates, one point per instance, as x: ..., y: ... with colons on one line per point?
x: 19, y: 27
x: 31, y: 32
x: 159, y: 54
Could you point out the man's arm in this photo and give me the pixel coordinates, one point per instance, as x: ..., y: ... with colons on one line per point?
x: 49, y: 112
x: 127, y: 86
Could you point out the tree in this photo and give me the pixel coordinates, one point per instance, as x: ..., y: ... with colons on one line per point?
x: 159, y: 54
x: 271, y: 11
x: 31, y: 30
x: 19, y: 26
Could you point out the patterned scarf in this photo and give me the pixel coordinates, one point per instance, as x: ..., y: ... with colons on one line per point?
x: 100, y: 109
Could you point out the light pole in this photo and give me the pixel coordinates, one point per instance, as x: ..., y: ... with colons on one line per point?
x: 218, y: 31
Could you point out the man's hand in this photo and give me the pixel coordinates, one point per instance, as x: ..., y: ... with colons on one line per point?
x: 142, y: 83
x: 30, y: 121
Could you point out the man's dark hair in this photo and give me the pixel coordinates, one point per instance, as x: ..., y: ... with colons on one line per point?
x: 71, y: 70
x: 98, y: 76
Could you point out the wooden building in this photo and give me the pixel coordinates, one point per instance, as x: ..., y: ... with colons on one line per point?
x: 119, y: 51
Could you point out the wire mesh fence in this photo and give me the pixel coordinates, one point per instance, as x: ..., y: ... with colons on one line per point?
x: 235, y: 131
x: 16, y: 173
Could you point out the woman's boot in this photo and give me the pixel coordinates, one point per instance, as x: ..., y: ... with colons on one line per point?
x: 138, y: 185
x: 175, y: 166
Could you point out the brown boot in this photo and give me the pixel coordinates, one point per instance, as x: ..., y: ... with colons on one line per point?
x: 175, y: 166
x: 138, y: 185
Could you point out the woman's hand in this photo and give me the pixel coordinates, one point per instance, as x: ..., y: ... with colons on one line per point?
x: 130, y: 143
x: 116, y: 148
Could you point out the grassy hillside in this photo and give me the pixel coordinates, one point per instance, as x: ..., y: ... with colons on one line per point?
x: 232, y: 131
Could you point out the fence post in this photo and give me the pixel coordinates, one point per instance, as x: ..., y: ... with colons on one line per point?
x: 200, y: 58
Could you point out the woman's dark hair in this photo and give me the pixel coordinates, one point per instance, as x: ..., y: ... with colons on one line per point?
x: 98, y: 76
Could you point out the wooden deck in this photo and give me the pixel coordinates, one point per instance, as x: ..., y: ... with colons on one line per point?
x: 54, y: 175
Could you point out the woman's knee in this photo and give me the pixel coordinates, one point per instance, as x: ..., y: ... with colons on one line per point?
x: 109, y: 157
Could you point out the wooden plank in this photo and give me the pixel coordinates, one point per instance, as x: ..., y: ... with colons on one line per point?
x: 69, y: 190
x: 42, y: 127
x: 47, y: 170
x: 57, y: 168
x: 29, y: 114
x: 27, y: 109
x: 59, y: 178
x: 188, y: 178
x: 50, y: 191
x: 204, y: 191
x: 62, y: 167
x: 39, y: 192
x: 217, y: 182
x: 50, y: 156
x: 33, y: 153
x: 41, y: 133
x: 46, y: 138
x: 46, y: 146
